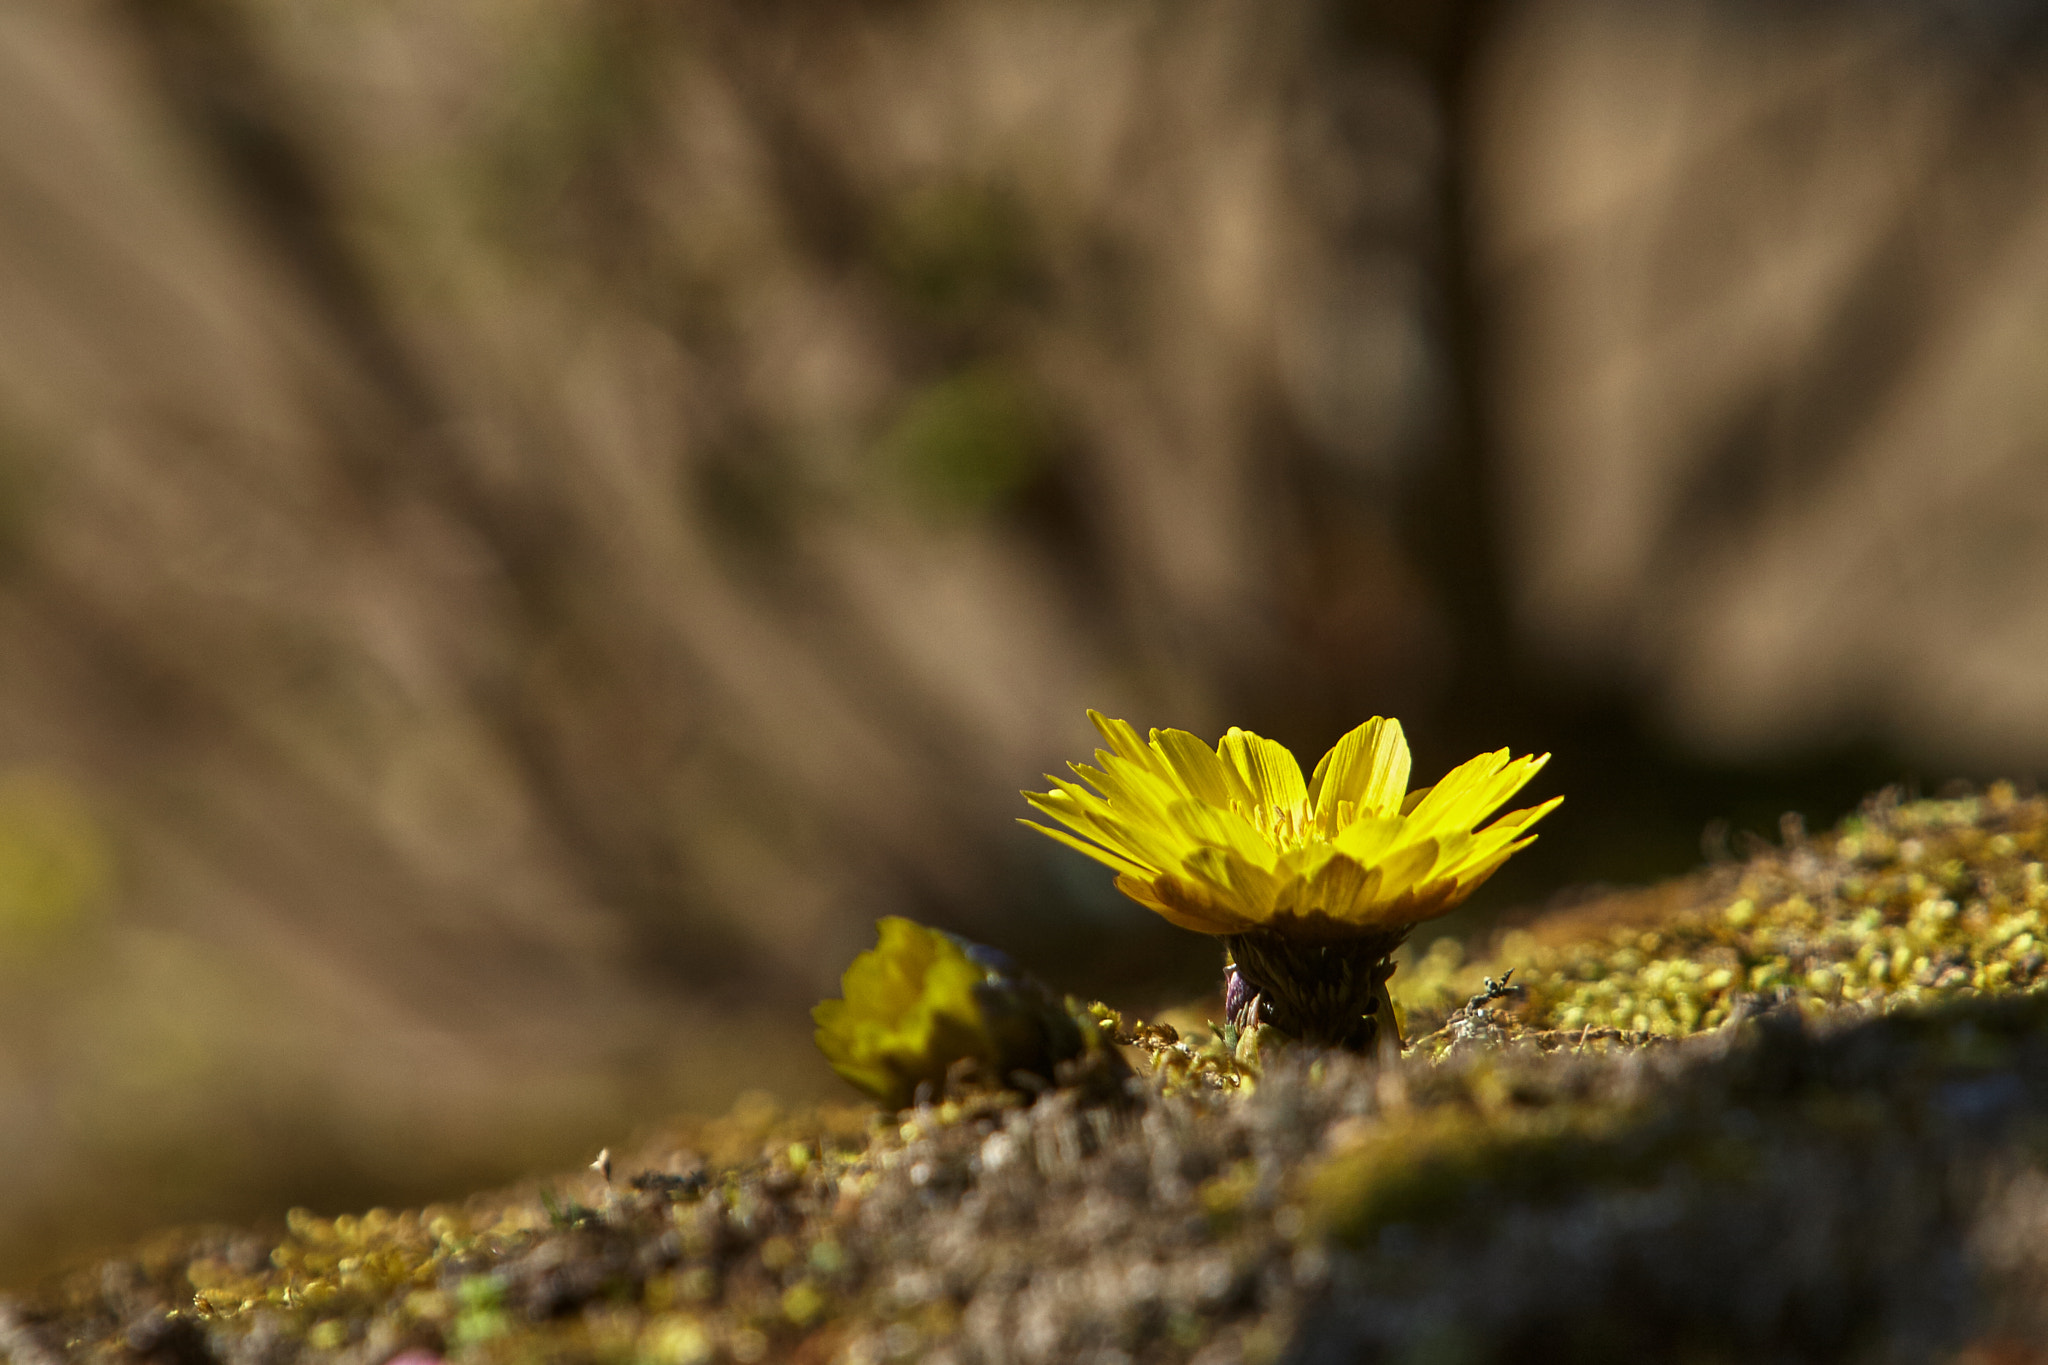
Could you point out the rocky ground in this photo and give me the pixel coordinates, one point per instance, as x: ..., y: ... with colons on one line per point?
x: 1790, y: 1109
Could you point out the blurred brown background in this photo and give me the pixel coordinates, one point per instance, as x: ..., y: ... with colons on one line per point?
x: 526, y: 524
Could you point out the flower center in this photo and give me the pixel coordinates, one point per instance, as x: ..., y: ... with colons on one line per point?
x: 1284, y: 827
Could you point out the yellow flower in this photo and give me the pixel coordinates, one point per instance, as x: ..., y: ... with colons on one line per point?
x: 922, y: 1002
x: 1231, y: 841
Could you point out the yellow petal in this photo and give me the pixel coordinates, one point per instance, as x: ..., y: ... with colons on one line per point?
x: 1485, y: 847
x: 1200, y: 772
x: 1424, y: 900
x: 1446, y: 800
x: 890, y: 977
x: 1248, y: 888
x: 1472, y: 879
x: 1106, y: 857
x: 1368, y: 768
x: 1199, y: 905
x: 1522, y: 819
x: 1266, y: 767
x: 1091, y: 817
x: 1492, y: 846
x: 1125, y: 744
x: 1406, y: 868
x: 1205, y: 824
x: 1180, y: 906
x: 1370, y: 839
x: 1069, y: 804
x: 1308, y: 860
x: 1345, y: 887
x: 1471, y: 791
x: 1122, y: 737
x: 1133, y: 804
x: 1507, y: 782
x: 1131, y: 785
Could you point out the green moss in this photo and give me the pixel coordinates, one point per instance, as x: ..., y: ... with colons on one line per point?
x: 1904, y: 905
x: 1751, y: 1141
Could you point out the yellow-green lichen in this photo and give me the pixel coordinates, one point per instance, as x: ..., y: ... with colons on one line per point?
x: 1904, y: 905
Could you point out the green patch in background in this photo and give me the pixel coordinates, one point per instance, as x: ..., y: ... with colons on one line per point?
x: 749, y: 492
x: 556, y: 155
x: 56, y: 867
x: 957, y: 251
x: 24, y: 465
x: 969, y: 442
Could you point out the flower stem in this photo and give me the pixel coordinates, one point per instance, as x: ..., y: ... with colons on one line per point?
x: 1324, y: 994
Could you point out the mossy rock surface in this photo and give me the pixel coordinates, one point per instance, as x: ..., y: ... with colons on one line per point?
x: 1793, y: 1109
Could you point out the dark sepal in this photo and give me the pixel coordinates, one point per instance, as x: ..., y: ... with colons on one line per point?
x: 1326, y: 994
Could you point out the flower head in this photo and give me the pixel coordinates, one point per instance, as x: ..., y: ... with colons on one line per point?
x: 1232, y: 841
x: 922, y: 1002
